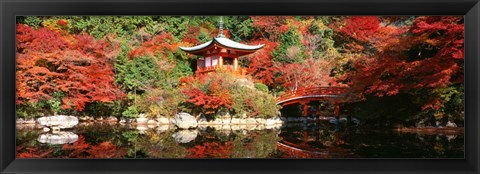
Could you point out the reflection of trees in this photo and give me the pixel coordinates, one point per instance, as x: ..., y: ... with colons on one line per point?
x: 159, y: 145
x: 82, y: 149
x: 257, y: 144
x: 235, y: 144
x: 211, y: 150
x: 401, y: 145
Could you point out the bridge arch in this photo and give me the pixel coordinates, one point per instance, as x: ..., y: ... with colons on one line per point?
x: 303, y: 96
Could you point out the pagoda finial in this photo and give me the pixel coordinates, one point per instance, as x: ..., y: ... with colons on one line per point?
x: 220, y: 28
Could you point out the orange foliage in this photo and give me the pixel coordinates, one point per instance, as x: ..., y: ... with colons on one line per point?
x: 81, y: 149
x: 77, y: 65
x: 211, y: 150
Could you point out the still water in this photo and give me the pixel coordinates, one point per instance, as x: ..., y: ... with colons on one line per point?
x: 322, y: 140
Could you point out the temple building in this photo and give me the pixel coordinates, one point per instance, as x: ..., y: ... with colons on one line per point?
x: 220, y: 54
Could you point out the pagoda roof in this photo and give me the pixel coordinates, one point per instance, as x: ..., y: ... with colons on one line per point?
x: 222, y: 42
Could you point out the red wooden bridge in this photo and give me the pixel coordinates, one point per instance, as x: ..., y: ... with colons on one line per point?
x: 338, y: 94
x: 304, y: 96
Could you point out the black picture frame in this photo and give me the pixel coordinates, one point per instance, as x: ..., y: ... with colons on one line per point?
x: 11, y: 8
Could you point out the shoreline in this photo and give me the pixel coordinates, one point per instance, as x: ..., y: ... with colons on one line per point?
x: 433, y: 130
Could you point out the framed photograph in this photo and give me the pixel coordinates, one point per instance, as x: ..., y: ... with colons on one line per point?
x: 239, y: 87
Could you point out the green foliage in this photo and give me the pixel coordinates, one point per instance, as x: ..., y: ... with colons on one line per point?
x: 290, y: 50
x: 100, y: 26
x: 55, y: 103
x: 30, y: 110
x: 262, y: 87
x: 32, y: 21
x: 131, y: 112
x: 253, y: 102
x: 137, y: 74
x: 240, y: 27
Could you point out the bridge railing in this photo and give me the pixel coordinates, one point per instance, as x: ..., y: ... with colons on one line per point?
x: 313, y: 91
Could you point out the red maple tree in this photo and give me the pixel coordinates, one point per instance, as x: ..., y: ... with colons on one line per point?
x: 78, y: 66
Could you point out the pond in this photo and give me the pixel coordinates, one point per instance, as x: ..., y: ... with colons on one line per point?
x: 313, y: 140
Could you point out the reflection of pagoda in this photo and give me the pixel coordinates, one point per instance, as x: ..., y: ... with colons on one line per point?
x: 220, y: 53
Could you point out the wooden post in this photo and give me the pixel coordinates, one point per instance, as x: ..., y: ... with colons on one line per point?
x: 337, y: 110
x: 198, y: 64
x: 220, y: 61
x: 304, y: 108
x: 305, y: 136
x: 235, y: 63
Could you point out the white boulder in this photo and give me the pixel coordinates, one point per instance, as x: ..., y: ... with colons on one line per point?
x: 270, y: 121
x: 250, y: 121
x: 163, y: 120
x: 451, y: 124
x: 184, y: 121
x: 58, y: 138
x: 185, y: 136
x: 60, y: 121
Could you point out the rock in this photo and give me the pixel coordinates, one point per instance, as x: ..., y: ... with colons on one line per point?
x: 142, y: 128
x: 235, y: 127
x: 451, y: 137
x: 235, y: 121
x: 111, y: 119
x: 226, y: 121
x: 20, y: 121
x: 244, y: 115
x: 185, y: 136
x: 260, y: 120
x: 163, y: 120
x: 226, y: 127
x: 251, y: 127
x: 217, y: 126
x: 162, y: 128
x: 250, y: 121
x: 46, y: 129
x: 60, y: 121
x: 152, y: 122
x: 216, y: 122
x: 450, y: 124
x: 202, y: 121
x: 279, y: 120
x: 184, y: 121
x: 99, y: 119
x: 141, y: 120
x: 260, y: 127
x: 202, y: 127
x: 84, y: 118
x: 29, y: 121
x: 122, y: 121
x: 58, y: 138
x: 243, y: 121
x: 55, y: 130
x: 267, y: 126
x: 270, y: 121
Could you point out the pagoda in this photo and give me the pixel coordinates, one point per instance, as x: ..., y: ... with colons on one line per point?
x: 220, y: 54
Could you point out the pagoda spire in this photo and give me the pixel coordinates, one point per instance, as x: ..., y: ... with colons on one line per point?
x: 220, y: 28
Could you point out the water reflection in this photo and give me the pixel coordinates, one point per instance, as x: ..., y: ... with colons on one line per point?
x: 58, y: 138
x: 185, y: 136
x: 315, y: 140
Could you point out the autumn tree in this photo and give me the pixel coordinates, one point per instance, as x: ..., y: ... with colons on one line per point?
x: 425, y: 61
x: 77, y: 68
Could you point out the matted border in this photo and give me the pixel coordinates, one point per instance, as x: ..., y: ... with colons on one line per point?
x: 11, y: 8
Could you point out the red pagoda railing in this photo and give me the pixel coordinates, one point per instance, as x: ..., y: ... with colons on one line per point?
x: 224, y: 68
